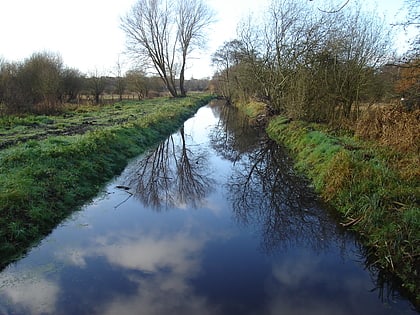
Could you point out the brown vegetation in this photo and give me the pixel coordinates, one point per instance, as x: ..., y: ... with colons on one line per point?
x: 392, y: 125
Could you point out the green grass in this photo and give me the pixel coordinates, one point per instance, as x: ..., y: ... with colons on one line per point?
x: 252, y: 110
x: 376, y: 189
x: 15, y: 129
x: 42, y: 181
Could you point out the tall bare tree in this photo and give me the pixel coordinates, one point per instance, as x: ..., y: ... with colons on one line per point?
x: 120, y: 83
x: 192, y: 20
x: 225, y: 59
x: 162, y: 33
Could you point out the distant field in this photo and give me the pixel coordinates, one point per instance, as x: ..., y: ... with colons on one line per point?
x: 74, y: 119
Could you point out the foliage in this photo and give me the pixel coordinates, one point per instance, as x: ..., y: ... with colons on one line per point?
x: 392, y: 126
x: 73, y: 83
x: 305, y: 63
x: 96, y: 84
x: 42, y: 181
x: 38, y: 84
x: 137, y: 82
x: 366, y: 184
x: 408, y: 83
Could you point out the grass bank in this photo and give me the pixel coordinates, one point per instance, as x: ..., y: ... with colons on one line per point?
x: 255, y: 111
x: 52, y: 165
x: 375, y: 188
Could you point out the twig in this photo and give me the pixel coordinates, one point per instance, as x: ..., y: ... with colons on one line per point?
x: 352, y: 221
x: 125, y: 200
x: 335, y: 11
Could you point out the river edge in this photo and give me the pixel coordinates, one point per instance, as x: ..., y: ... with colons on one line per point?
x: 110, y: 150
x: 42, y: 182
x: 373, y: 199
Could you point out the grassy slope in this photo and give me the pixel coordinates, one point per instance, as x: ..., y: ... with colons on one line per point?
x: 42, y: 181
x: 376, y: 190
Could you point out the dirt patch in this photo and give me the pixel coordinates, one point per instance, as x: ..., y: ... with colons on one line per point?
x: 22, y: 138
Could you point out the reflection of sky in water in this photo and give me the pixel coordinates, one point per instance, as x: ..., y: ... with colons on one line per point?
x: 133, y: 260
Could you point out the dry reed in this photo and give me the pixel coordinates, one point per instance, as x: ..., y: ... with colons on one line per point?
x: 391, y: 126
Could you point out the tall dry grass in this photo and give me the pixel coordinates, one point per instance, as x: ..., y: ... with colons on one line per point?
x: 391, y: 125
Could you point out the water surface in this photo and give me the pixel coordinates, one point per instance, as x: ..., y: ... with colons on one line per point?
x: 211, y: 221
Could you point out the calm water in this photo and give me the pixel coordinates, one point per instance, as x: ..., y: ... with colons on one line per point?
x: 212, y: 221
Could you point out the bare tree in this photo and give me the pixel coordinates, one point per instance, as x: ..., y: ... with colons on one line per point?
x: 413, y: 22
x: 335, y: 10
x: 96, y: 84
x: 162, y: 34
x: 192, y: 20
x: 307, y: 63
x: 137, y: 82
x: 40, y: 84
x: 225, y: 59
x: 120, y: 82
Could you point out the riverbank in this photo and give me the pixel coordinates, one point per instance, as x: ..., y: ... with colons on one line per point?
x: 374, y: 188
x: 45, y: 176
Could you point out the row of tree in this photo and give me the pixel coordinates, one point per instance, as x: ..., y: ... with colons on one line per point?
x: 309, y: 63
x: 160, y: 36
x: 42, y: 83
x: 312, y: 64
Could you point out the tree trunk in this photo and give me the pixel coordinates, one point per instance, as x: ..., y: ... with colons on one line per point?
x: 182, y: 76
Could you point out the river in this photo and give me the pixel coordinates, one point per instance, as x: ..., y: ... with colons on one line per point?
x: 211, y: 221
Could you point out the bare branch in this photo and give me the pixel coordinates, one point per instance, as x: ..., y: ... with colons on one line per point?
x: 164, y: 32
x: 337, y: 10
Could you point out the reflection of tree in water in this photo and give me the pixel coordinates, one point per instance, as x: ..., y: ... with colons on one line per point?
x: 171, y: 175
x: 265, y: 191
x: 233, y: 135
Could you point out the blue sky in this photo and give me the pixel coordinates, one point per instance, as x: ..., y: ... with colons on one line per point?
x: 87, y: 34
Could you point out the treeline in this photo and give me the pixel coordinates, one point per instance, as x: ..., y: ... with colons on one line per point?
x: 42, y: 84
x: 308, y: 63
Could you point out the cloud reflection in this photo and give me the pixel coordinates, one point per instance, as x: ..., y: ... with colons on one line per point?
x: 150, y: 254
x: 29, y: 294
x: 155, y: 297
x: 161, y: 267
x: 73, y: 257
x: 298, y: 275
